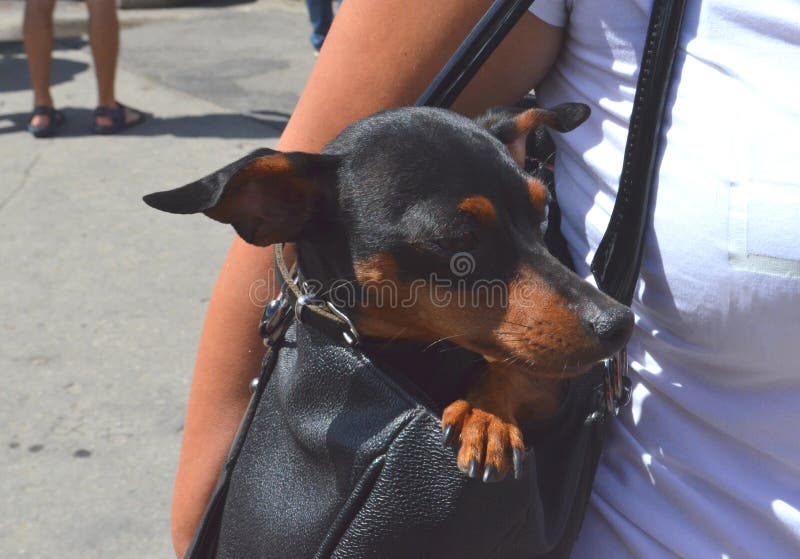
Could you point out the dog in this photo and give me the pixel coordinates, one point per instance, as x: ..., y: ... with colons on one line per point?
x: 398, y: 197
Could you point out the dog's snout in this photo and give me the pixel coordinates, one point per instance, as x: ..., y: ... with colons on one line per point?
x: 613, y: 327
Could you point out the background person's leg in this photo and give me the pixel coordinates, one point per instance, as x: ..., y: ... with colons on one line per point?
x: 37, y: 30
x: 320, y: 14
x: 104, y: 40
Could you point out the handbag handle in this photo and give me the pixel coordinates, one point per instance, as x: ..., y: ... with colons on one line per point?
x: 618, y: 259
x: 473, y: 52
x: 619, y: 256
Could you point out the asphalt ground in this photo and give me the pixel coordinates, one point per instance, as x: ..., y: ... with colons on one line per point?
x: 102, y: 298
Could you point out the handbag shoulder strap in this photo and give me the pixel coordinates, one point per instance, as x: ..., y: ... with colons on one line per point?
x: 481, y: 42
x: 618, y: 258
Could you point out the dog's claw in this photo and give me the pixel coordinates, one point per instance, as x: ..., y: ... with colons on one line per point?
x: 518, y: 463
x: 486, y: 442
x: 447, y: 435
x: 473, y: 468
x: 488, y: 473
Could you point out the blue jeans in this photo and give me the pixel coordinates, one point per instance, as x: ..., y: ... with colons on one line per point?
x: 320, y: 13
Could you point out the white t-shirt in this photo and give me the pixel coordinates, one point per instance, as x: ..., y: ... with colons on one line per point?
x: 706, y: 460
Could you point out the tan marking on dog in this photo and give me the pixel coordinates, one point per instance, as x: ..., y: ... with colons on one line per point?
x: 537, y: 192
x: 530, y: 119
x: 531, y: 343
x: 524, y: 123
x: 485, y: 422
x: 540, y: 328
x: 530, y: 322
x: 481, y: 208
x: 378, y: 267
x: 268, y: 194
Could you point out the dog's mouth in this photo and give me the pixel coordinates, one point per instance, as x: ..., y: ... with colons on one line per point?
x: 548, y: 356
x: 561, y: 343
x: 551, y: 339
x: 567, y: 369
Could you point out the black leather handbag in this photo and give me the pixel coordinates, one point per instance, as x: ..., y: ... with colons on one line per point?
x: 339, y: 455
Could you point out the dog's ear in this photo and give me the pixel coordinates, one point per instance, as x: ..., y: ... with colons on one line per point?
x: 267, y: 196
x: 512, y: 125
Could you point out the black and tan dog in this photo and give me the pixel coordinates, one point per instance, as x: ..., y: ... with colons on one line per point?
x: 399, y: 197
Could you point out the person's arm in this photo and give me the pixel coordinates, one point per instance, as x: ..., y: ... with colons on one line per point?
x: 377, y: 55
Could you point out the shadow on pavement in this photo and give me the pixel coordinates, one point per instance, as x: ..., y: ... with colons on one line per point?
x: 276, y: 119
x: 64, y: 43
x: 266, y: 124
x: 204, y: 3
x: 15, y: 72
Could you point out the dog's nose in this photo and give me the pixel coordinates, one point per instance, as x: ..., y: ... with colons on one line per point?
x: 613, y: 327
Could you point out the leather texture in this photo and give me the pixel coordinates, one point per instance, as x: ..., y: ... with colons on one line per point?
x: 340, y: 460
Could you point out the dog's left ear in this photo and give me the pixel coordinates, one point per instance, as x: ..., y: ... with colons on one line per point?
x: 512, y: 126
x: 267, y: 196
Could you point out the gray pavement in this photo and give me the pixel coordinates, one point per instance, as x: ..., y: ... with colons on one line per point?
x: 101, y: 298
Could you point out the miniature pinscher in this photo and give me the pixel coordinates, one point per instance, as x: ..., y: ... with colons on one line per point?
x: 439, y: 207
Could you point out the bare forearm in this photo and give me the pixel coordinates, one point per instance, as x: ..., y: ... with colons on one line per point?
x: 228, y: 357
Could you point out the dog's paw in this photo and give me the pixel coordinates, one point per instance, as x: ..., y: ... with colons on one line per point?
x: 489, y: 446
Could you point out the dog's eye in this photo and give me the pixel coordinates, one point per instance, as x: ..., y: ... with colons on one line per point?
x: 464, y: 242
x: 447, y: 246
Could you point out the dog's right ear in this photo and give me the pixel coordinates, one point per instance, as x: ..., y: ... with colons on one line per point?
x: 267, y: 196
x: 512, y: 125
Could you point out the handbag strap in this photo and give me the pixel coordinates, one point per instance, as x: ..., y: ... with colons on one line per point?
x: 619, y: 256
x: 618, y: 259
x: 473, y: 52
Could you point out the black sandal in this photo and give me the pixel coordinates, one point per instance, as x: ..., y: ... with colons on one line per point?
x: 117, y: 116
x: 55, y: 119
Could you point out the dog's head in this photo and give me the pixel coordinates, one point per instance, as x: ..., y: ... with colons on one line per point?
x: 433, y: 229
